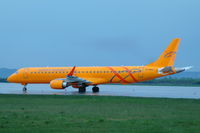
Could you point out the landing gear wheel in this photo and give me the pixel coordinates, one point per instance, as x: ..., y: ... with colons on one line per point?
x: 95, y: 89
x: 24, y: 89
x: 82, y: 89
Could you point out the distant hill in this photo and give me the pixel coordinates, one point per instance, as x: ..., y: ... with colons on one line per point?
x: 194, y: 75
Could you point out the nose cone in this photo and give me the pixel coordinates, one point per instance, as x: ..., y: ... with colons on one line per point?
x: 11, y: 78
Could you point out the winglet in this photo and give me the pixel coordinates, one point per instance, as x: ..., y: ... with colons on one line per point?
x: 72, y: 71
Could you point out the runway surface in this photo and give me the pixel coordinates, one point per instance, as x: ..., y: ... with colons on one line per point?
x: 109, y: 90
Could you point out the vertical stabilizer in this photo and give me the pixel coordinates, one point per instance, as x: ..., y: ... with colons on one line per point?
x: 168, y: 56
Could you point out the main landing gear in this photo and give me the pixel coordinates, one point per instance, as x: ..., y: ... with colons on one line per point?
x: 82, y: 89
x: 95, y: 89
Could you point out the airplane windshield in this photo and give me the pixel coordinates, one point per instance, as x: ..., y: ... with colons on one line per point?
x: 16, y: 72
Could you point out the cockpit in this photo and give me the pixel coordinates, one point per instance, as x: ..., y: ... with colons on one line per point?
x: 16, y: 72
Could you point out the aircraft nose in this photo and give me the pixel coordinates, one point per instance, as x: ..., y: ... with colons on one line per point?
x: 11, y: 78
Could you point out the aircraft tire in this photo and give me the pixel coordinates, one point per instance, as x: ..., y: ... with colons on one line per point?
x: 82, y: 90
x: 24, y: 89
x: 95, y: 89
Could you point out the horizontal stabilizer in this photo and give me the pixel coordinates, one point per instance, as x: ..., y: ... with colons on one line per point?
x: 178, y: 70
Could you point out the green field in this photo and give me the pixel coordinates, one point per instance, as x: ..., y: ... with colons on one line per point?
x: 93, y: 114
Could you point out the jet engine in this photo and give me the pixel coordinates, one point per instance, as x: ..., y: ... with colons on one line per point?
x: 58, y: 84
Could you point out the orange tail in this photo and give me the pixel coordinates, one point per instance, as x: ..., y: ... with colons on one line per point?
x: 168, y: 56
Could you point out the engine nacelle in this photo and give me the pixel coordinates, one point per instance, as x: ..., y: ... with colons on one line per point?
x: 58, y: 84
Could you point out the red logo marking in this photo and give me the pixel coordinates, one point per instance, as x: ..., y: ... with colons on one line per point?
x: 130, y: 74
x: 116, y: 74
x: 169, y: 54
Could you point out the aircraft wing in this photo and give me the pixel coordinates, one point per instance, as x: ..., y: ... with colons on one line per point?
x: 70, y: 78
x: 75, y: 79
x: 91, y: 81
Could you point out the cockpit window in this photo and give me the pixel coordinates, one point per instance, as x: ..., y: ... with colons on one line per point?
x: 16, y: 72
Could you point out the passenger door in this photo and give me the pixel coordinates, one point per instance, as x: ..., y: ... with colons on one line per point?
x: 141, y: 73
x: 25, y: 73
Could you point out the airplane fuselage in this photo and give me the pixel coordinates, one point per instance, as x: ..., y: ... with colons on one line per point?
x: 99, y: 75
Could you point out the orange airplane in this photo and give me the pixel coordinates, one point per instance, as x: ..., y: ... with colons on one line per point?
x: 82, y: 77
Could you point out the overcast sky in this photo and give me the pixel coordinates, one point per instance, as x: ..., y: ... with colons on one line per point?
x: 35, y: 33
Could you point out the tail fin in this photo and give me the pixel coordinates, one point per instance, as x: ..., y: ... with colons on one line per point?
x: 168, y: 56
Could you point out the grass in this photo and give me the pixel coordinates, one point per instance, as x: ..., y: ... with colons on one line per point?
x: 95, y: 114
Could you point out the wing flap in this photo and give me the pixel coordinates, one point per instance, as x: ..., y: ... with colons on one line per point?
x: 75, y: 79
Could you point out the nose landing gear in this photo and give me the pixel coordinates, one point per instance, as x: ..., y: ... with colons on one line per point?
x: 24, y: 88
